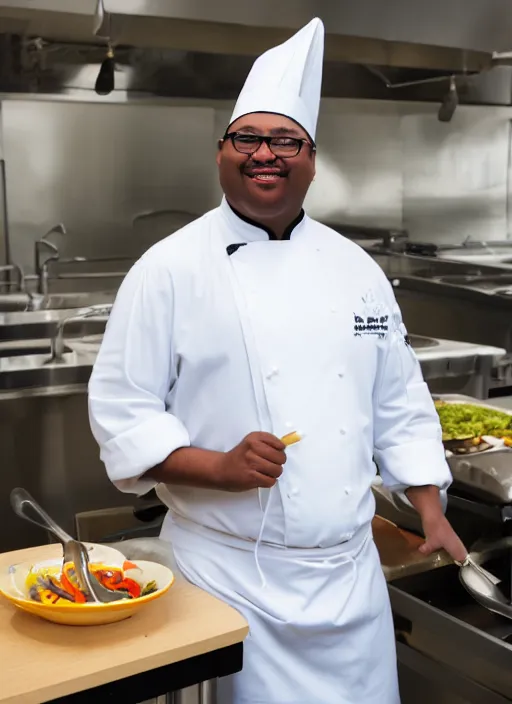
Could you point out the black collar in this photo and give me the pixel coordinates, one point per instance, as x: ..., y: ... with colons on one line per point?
x: 271, y: 235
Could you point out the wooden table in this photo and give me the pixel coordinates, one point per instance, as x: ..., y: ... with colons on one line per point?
x: 184, y: 638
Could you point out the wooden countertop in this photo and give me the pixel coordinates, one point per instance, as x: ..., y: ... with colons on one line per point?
x: 42, y: 661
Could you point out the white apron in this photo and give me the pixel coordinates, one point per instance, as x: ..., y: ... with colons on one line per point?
x: 321, y: 631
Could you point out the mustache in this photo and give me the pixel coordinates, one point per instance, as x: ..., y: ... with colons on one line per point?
x: 271, y: 167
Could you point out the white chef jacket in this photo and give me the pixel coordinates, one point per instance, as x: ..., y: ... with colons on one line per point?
x: 220, y: 330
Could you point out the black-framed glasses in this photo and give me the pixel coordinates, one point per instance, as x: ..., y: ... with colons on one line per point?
x: 283, y: 147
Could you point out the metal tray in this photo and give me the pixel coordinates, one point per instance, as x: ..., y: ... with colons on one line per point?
x: 459, y: 398
x: 488, y: 474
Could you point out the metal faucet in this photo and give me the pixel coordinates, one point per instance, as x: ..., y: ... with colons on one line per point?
x: 395, y: 240
x: 41, y: 268
x: 57, y: 342
x: 19, y: 271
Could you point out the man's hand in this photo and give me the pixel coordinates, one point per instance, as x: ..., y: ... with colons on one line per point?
x: 257, y: 462
x: 439, y: 535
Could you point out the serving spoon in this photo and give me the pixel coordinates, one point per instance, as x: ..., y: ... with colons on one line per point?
x: 483, y: 587
x: 74, y: 551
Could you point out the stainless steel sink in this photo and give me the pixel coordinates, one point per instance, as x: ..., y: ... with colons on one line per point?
x: 442, y: 631
x: 42, y: 324
x: 495, y: 283
x: 418, y: 342
x: 36, y: 371
x: 22, y: 348
x: 11, y: 302
x: 19, y: 324
x: 21, y: 302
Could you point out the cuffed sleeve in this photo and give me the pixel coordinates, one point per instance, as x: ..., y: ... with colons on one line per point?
x: 407, y: 432
x: 132, y: 378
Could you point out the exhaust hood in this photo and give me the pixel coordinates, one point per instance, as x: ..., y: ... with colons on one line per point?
x: 445, y: 35
x: 60, y: 20
x: 478, y: 25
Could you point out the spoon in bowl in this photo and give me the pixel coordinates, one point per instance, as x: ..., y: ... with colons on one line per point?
x: 74, y: 551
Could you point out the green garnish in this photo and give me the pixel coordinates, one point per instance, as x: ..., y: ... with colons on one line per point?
x: 463, y: 421
x: 149, y: 588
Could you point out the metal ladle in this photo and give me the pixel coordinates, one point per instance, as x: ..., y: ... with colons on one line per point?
x: 483, y: 587
x: 74, y: 551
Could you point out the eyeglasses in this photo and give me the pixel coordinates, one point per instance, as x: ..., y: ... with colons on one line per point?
x: 282, y: 147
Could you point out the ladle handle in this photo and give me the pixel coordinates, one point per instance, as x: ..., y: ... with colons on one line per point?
x: 21, y: 500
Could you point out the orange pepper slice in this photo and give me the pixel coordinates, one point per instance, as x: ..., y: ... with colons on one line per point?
x: 131, y: 586
x: 69, y: 587
x: 127, y: 565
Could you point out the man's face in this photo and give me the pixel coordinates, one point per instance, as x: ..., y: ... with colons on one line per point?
x: 261, y: 184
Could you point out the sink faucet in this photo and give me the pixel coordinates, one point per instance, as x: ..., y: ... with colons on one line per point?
x: 42, y: 267
x: 19, y: 272
x: 57, y: 343
x: 395, y: 240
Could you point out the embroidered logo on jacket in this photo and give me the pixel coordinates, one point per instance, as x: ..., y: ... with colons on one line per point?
x: 373, y: 319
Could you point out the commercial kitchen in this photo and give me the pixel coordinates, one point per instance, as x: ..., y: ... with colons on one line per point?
x: 109, y: 119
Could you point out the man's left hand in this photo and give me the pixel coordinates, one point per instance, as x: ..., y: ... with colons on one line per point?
x: 439, y: 535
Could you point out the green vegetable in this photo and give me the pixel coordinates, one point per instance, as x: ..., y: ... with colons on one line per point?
x: 462, y: 421
x: 149, y: 588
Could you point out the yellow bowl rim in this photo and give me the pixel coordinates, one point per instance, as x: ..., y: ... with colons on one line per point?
x: 116, y: 605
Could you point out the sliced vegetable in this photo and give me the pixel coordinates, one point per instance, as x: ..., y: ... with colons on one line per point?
x: 69, y: 583
x: 48, y: 597
x: 127, y: 565
x: 131, y: 586
x: 51, y: 585
x: 149, y: 588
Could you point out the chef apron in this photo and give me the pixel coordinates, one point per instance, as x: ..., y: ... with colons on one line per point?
x: 321, y: 629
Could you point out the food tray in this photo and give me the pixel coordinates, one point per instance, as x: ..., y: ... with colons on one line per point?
x: 459, y: 398
x: 486, y: 474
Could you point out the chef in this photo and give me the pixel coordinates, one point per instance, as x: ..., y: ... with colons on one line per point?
x: 251, y: 323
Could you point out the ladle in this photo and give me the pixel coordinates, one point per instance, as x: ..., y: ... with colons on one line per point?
x: 74, y: 551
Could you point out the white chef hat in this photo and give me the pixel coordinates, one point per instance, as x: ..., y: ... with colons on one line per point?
x: 287, y: 79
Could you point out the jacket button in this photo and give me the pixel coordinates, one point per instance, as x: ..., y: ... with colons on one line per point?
x: 294, y: 491
x: 343, y: 431
x: 341, y: 373
x: 347, y: 490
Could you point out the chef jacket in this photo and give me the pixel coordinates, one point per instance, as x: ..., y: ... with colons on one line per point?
x: 220, y: 330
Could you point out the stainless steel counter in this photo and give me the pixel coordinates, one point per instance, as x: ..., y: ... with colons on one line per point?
x: 23, y: 317
x: 45, y: 441
x: 450, y: 649
x: 454, y: 301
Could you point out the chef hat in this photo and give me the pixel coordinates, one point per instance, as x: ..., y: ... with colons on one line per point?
x: 287, y: 79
